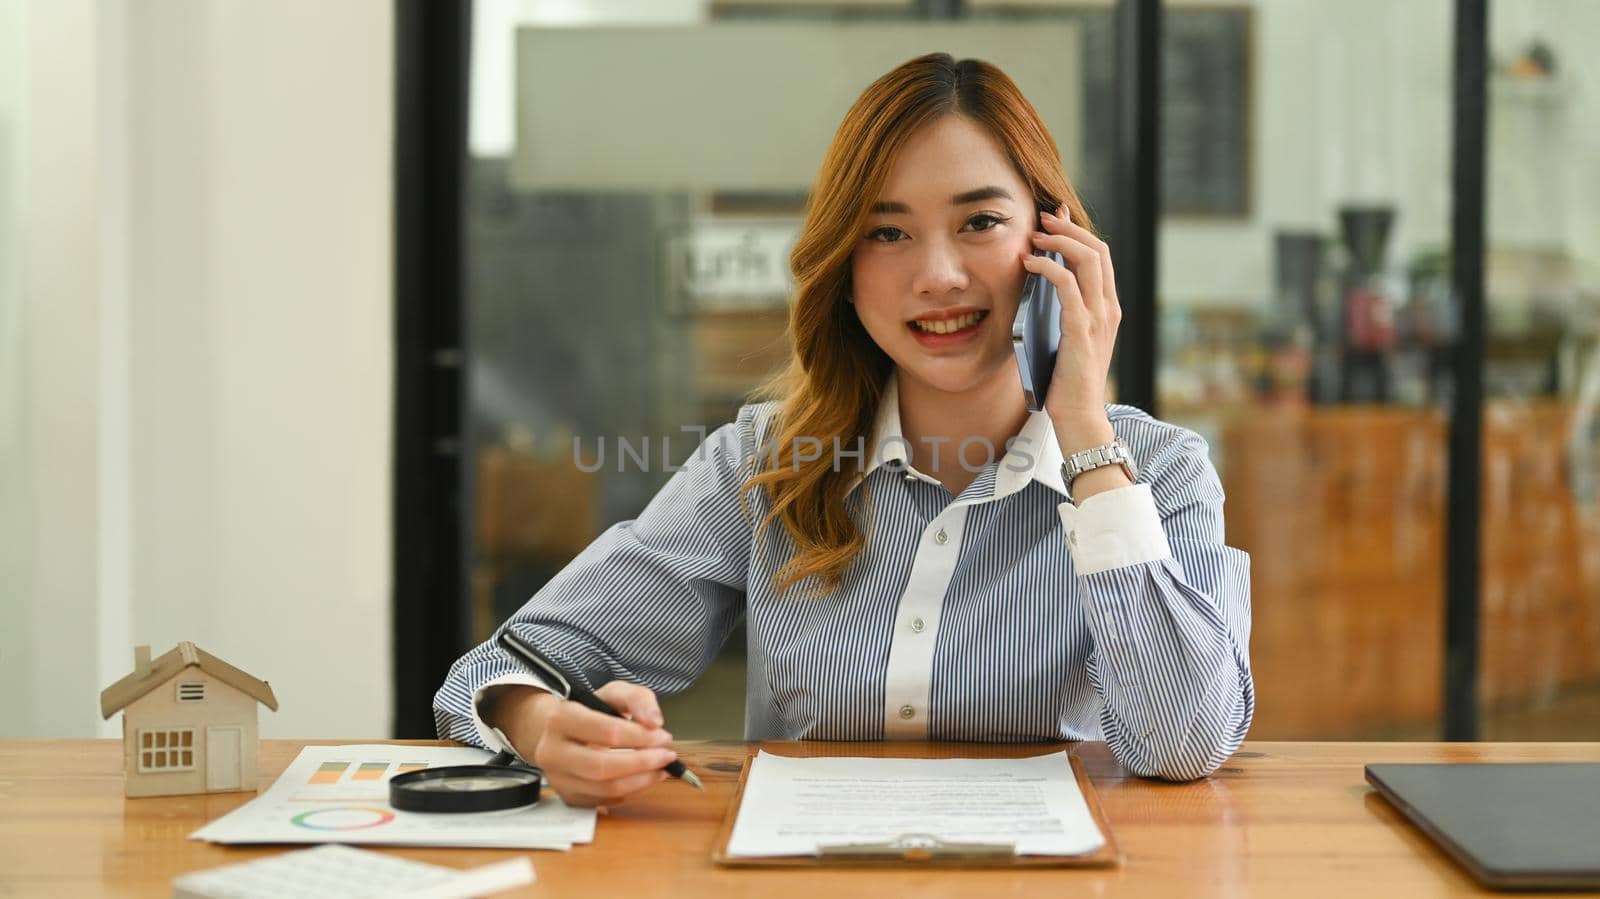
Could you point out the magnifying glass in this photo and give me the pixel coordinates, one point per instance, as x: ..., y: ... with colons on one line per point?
x: 504, y: 782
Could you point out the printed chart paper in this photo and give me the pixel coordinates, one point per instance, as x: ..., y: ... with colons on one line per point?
x: 340, y: 794
x: 794, y: 806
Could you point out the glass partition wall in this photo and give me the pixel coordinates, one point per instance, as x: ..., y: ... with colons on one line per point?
x: 1306, y: 331
x: 635, y: 178
x: 1540, y: 606
x: 1308, y: 328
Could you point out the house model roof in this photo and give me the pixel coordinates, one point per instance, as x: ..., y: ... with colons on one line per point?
x: 119, y: 695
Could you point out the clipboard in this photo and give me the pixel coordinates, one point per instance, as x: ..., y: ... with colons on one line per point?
x: 924, y: 850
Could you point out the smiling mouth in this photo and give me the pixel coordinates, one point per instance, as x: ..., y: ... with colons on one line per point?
x: 948, y: 325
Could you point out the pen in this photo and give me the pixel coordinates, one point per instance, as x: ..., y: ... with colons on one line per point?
x: 570, y: 688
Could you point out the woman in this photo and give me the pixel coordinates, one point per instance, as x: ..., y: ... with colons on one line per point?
x: 910, y: 555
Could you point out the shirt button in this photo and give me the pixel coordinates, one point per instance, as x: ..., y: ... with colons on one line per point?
x: 941, y: 538
x: 908, y: 712
x: 917, y: 625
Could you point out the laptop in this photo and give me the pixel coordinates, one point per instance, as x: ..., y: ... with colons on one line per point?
x: 1513, y: 826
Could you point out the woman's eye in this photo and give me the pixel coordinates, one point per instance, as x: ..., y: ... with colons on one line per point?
x: 989, y: 220
x: 978, y: 223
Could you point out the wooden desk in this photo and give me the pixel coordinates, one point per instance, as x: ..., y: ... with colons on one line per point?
x: 1280, y: 819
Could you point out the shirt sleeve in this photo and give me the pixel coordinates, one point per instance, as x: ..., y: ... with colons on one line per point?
x: 1115, y: 529
x: 651, y: 601
x: 1168, y: 607
x: 486, y: 734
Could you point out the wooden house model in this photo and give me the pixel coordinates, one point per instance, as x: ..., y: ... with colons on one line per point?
x: 188, y: 723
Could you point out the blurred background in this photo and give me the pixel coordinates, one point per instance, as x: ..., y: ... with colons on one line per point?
x: 324, y: 329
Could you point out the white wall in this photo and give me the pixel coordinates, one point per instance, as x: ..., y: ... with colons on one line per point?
x: 48, y: 373
x: 196, y: 430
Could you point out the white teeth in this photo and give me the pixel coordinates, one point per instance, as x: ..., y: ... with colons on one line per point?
x: 949, y: 325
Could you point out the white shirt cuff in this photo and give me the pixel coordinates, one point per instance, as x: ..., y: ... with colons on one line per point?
x: 1114, y: 529
x: 507, y: 680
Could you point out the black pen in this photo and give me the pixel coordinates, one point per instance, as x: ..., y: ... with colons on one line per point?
x: 571, y: 688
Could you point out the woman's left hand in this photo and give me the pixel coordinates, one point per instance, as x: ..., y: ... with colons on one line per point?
x: 1090, y: 315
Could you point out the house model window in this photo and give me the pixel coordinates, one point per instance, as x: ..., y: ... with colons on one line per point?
x: 191, y: 692
x: 166, y: 750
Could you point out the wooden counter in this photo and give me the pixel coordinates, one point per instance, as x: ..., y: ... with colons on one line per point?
x: 1342, y: 510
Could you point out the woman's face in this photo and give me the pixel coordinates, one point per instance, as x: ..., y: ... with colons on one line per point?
x: 938, y: 270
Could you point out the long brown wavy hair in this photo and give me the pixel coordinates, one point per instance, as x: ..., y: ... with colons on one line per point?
x: 837, y: 373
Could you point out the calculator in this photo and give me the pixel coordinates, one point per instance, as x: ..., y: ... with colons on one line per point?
x: 349, y: 873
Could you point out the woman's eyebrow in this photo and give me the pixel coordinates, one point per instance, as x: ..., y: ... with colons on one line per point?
x: 982, y: 193
x: 890, y: 207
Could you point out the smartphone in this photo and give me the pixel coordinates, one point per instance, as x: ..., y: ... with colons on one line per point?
x: 1036, y: 334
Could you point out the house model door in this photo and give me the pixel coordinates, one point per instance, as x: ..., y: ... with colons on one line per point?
x: 224, y: 758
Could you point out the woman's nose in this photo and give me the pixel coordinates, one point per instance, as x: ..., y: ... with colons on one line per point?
x: 940, y: 270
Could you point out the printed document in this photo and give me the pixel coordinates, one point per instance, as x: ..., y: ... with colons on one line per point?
x: 340, y: 794
x: 796, y: 806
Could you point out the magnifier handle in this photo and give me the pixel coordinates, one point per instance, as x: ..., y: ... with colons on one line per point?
x: 505, y: 758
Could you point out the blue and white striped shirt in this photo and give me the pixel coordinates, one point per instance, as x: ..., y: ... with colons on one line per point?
x: 1003, y: 614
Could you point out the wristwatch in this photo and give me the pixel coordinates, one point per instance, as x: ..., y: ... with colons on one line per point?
x: 1113, y: 453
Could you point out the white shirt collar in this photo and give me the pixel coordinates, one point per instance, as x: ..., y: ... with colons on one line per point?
x: 1035, y: 455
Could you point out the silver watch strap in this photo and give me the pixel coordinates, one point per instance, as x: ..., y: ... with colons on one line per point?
x: 1113, y: 453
